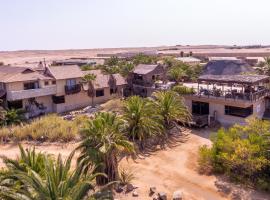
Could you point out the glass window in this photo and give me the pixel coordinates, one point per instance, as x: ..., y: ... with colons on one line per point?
x: 53, y: 82
x: 71, y: 82
x: 99, y: 93
x: 30, y: 85
x: 200, y: 108
x: 238, y: 112
x: 46, y: 82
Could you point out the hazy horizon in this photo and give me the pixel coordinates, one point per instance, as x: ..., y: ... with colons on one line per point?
x: 82, y: 24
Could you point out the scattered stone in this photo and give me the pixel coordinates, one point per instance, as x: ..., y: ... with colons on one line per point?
x: 236, y: 196
x: 129, y: 187
x: 152, y: 190
x: 118, y: 189
x: 178, y: 195
x: 155, y: 197
x: 162, y: 196
x: 135, y: 194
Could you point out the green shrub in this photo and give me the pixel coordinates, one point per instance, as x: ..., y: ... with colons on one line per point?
x: 183, y: 90
x: 240, y: 152
x: 126, y: 176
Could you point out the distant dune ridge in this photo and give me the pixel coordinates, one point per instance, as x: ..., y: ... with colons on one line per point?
x: 29, y: 57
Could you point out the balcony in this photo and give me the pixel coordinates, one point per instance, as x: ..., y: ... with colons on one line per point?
x: 26, y: 94
x: 143, y: 83
x: 229, y: 94
x: 72, y: 89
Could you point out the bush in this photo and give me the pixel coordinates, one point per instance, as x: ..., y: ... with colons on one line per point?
x: 241, y: 152
x: 183, y: 90
x: 49, y: 128
x: 126, y: 176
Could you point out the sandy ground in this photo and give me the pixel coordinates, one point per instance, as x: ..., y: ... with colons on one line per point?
x: 170, y: 169
x: 30, y: 58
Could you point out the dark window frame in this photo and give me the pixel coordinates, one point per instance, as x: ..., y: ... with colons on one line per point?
x: 18, y: 104
x: 113, y: 91
x: 238, y: 111
x: 200, y: 108
x: 30, y: 85
x: 58, y: 99
x: 100, y: 93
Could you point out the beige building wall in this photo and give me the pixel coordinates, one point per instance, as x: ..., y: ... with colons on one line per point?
x: 219, y: 109
x: 81, y: 99
x: 17, y: 86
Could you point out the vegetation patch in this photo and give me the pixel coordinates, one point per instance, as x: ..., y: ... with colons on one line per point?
x: 241, y: 152
x: 48, y: 128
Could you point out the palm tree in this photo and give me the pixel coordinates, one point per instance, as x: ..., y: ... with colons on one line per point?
x: 142, y: 119
x: 29, y: 159
x: 176, y: 73
x: 57, y: 182
x: 88, y: 79
x: 103, y: 142
x: 171, y: 107
x: 14, y: 116
x: 264, y: 67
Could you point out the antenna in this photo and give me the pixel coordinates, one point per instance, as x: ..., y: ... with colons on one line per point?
x: 44, y: 62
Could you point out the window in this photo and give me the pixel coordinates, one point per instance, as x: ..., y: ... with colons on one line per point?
x: 46, y: 82
x: 113, y: 91
x: 15, y: 104
x: 238, y: 112
x: 30, y: 85
x: 53, y: 82
x: 58, y: 99
x: 71, y: 82
x: 200, y: 108
x: 99, y: 93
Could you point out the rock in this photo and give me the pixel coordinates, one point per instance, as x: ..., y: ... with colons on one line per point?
x: 152, y: 190
x: 129, y: 187
x: 162, y: 196
x: 155, y: 197
x: 135, y: 194
x: 118, y: 189
x: 178, y: 195
x: 236, y: 195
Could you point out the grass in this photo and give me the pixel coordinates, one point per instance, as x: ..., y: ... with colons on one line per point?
x: 114, y: 105
x: 48, y: 128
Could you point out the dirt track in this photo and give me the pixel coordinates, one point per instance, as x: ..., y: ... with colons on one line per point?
x: 170, y: 169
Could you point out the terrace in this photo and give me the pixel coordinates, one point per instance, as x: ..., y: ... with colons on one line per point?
x: 245, y: 88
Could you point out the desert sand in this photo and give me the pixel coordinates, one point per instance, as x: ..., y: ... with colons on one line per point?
x: 28, y: 58
x: 169, y: 169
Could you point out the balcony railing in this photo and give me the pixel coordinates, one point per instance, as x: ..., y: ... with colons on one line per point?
x: 232, y: 94
x: 72, y: 89
x: 142, y: 83
x: 25, y: 94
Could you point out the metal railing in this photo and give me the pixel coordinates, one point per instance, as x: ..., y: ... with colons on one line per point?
x: 231, y: 94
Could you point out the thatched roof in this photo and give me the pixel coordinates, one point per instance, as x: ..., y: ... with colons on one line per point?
x: 144, y: 69
x: 227, y: 67
x: 241, y: 79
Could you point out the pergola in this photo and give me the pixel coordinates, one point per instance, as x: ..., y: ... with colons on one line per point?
x: 251, y: 86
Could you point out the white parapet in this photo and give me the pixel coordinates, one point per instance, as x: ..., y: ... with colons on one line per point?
x: 25, y: 94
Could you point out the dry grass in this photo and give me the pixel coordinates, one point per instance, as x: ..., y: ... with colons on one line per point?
x: 48, y: 128
x: 114, y: 105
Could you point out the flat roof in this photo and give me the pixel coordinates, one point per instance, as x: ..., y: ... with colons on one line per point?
x: 241, y: 79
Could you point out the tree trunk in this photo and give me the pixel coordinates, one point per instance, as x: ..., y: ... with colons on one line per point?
x: 110, y: 168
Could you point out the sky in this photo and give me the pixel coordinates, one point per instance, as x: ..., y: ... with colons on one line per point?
x: 84, y: 24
